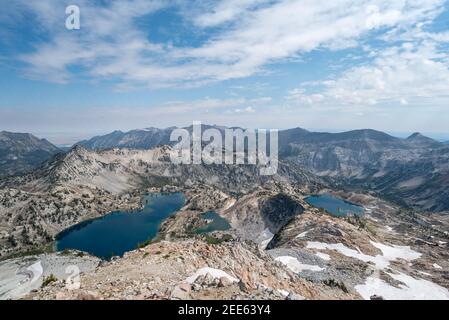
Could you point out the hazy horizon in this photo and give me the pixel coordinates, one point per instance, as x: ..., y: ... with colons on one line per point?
x: 253, y: 63
x: 69, y: 139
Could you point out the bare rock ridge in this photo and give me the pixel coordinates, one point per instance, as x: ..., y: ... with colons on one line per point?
x: 22, y: 152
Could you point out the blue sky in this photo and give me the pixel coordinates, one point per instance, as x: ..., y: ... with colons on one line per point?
x: 329, y: 65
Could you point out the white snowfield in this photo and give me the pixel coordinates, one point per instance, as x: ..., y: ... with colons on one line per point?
x: 413, y: 289
x: 410, y: 289
x: 389, y: 253
x: 294, y: 265
x: 215, y: 273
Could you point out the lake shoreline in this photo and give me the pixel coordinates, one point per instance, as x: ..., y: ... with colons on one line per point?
x: 117, y: 232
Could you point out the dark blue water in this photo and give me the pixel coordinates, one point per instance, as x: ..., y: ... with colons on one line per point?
x: 335, y: 206
x: 217, y: 223
x: 122, y: 231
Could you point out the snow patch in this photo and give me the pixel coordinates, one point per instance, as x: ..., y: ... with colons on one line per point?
x: 414, y: 289
x: 294, y: 265
x: 303, y: 234
x: 215, y: 273
x: 285, y: 293
x: 436, y: 266
x: 389, y: 253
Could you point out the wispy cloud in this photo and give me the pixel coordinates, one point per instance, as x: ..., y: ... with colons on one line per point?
x: 111, y: 44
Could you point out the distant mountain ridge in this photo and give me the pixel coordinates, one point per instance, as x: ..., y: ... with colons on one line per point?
x: 136, y: 139
x: 22, y: 152
x: 412, y: 171
x: 141, y: 139
x: 154, y: 137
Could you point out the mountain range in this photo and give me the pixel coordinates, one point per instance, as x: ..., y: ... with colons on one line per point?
x: 412, y: 172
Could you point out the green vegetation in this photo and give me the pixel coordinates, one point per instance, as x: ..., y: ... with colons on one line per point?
x: 49, y: 248
x: 361, y: 223
x: 65, y: 252
x: 148, y: 242
x: 154, y: 181
x: 210, y: 239
x: 356, y: 221
x: 51, y: 278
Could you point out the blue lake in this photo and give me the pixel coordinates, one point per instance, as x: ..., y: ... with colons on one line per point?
x: 335, y: 206
x: 121, y: 231
x: 216, y: 223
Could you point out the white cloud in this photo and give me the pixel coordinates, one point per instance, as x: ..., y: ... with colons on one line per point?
x: 246, y: 110
x: 226, y: 11
x: 111, y: 45
x: 398, y: 75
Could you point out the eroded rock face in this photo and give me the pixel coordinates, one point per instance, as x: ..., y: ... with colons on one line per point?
x: 258, y: 216
x: 279, y: 210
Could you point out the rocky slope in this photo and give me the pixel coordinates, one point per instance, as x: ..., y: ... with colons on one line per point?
x: 22, y: 152
x: 193, y: 270
x: 413, y: 172
x: 30, y: 221
x: 118, y: 170
x: 388, y: 253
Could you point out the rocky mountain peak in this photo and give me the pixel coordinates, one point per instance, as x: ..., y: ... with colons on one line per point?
x: 419, y: 139
x: 22, y: 152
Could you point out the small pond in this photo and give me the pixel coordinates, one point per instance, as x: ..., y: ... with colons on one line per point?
x: 215, y: 223
x: 335, y: 206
